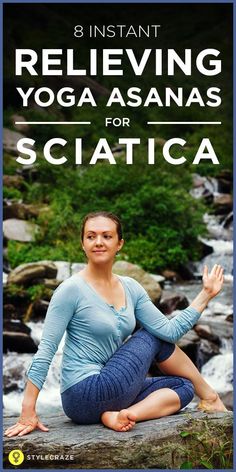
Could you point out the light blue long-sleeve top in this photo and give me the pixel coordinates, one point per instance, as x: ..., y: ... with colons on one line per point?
x: 95, y: 330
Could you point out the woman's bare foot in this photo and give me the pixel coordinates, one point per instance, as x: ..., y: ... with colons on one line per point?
x: 122, y: 420
x: 212, y: 405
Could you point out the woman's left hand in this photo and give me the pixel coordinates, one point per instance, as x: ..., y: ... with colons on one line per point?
x: 213, y: 281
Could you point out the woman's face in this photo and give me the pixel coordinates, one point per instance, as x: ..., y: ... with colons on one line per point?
x: 101, y: 242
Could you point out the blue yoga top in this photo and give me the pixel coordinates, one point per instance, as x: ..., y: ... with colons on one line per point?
x: 95, y: 329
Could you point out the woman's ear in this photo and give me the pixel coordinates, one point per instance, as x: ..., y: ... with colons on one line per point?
x: 121, y: 244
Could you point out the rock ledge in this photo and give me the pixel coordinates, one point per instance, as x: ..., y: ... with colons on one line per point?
x: 155, y: 444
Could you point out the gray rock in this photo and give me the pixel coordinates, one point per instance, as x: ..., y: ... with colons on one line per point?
x: 22, y: 211
x: 14, y: 372
x: 189, y: 343
x: 204, y: 187
x: 228, y: 400
x: 155, y: 444
x: 188, y: 339
x: 39, y: 310
x: 223, y: 203
x: 158, y: 278
x: 23, y: 126
x: 63, y: 269
x: 206, y: 350
x: 171, y: 275
x: 66, y: 269
x: 10, y: 139
x: 25, y: 273
x: 198, y: 181
x: 4, y: 278
x: 225, y: 186
x: 205, y: 332
x: 218, y: 325
x: 146, y: 280
x: 77, y: 267
x: 48, y: 283
x: 19, y: 230
x: 18, y: 342
x: 173, y: 301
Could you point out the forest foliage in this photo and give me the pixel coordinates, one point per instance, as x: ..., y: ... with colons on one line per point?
x: 161, y: 220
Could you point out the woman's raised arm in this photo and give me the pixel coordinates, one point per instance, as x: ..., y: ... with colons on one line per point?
x: 172, y: 330
x: 212, y: 285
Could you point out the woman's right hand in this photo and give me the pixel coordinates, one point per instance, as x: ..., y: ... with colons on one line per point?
x: 25, y: 425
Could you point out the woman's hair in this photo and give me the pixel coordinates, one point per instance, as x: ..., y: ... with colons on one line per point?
x: 105, y: 214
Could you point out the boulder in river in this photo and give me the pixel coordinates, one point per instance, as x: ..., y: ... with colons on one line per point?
x: 172, y: 302
x: 218, y: 325
x: 223, y: 203
x: 171, y: 275
x: 205, y: 332
x: 164, y: 443
x: 15, y: 301
x: 188, y: 339
x: 20, y: 230
x: 225, y: 186
x: 146, y: 280
x: 189, y: 344
x: 39, y: 310
x: 206, y: 350
x: 16, y: 337
x: 26, y: 273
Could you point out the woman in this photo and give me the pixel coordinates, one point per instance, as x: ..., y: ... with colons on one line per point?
x: 104, y: 378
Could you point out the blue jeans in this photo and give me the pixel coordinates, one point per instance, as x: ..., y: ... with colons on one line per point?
x: 123, y: 382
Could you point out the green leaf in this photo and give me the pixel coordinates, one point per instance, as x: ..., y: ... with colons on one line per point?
x: 184, y: 434
x: 186, y: 465
x: 207, y: 464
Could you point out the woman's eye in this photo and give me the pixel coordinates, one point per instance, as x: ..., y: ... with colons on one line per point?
x: 107, y: 236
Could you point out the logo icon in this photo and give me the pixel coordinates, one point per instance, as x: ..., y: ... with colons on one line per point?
x: 16, y: 457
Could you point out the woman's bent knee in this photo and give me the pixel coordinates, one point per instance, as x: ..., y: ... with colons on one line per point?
x: 162, y: 349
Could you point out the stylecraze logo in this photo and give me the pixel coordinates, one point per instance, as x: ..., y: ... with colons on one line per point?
x: 16, y: 457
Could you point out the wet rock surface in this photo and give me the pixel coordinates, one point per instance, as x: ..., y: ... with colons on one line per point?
x: 18, y: 342
x: 173, y: 302
x: 155, y: 444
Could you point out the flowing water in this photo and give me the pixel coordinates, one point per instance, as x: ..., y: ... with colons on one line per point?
x: 218, y: 371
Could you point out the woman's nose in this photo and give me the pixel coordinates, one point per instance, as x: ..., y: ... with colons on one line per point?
x: 99, y: 241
